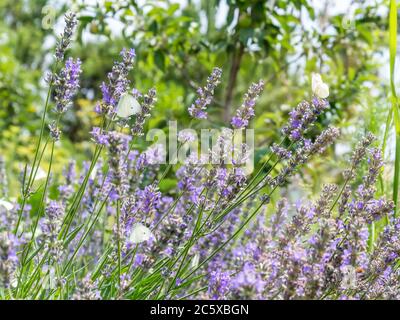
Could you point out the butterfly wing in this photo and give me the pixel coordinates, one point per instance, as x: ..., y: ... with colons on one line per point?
x: 322, y: 90
x: 127, y: 106
x: 318, y: 87
x: 316, y: 80
x: 139, y: 233
x: 135, y: 106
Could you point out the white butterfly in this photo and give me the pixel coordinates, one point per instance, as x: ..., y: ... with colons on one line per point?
x: 127, y: 106
x: 319, y: 88
x: 7, y: 205
x: 40, y: 174
x: 140, y: 233
x: 195, y: 261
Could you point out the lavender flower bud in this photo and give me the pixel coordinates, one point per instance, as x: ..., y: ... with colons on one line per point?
x: 51, y: 226
x: 98, y: 136
x: 198, y: 108
x: 219, y: 285
x: 148, y: 103
x: 282, y: 153
x: 326, y: 138
x: 8, y: 258
x: 246, y: 111
x: 302, y: 117
x: 344, y: 199
x: 117, y: 84
x: 279, y: 217
x: 66, y: 84
x: 87, y: 290
x: 361, y: 149
x: 55, y: 132
x: 324, y: 201
x: 65, y: 40
x: 117, y: 149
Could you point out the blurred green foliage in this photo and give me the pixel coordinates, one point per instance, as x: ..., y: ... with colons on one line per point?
x: 178, y: 44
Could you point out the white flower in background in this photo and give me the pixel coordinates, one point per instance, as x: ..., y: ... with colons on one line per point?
x: 6, y: 204
x: 140, y: 233
x: 127, y: 106
x: 319, y: 88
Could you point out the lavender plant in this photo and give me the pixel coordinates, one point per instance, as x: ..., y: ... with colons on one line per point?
x: 111, y: 233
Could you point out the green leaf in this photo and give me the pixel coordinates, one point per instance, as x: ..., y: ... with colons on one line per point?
x: 167, y: 184
x: 159, y: 59
x: 245, y: 35
x: 71, y: 236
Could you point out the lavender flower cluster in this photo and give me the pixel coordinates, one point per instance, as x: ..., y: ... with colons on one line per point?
x: 109, y: 231
x: 316, y: 250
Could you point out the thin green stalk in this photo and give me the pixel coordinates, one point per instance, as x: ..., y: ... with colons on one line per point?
x: 394, y: 99
x: 208, y: 216
x: 40, y: 210
x: 43, y: 197
x: 25, y: 193
x: 67, y: 221
x: 396, y: 174
x: 173, y: 205
x: 248, y: 195
x: 42, y: 126
x: 118, y: 244
x: 166, y: 170
x: 262, y: 168
x: 246, y: 222
x: 384, y: 142
x: 82, y: 240
x: 193, y: 293
x: 234, y: 235
x: 340, y: 192
x: 25, y: 198
x: 195, y: 229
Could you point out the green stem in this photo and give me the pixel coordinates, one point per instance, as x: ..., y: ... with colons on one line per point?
x: 118, y: 244
x: 40, y: 210
x: 26, y: 192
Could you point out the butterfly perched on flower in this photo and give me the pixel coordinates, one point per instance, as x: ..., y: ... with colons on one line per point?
x: 140, y: 233
x: 319, y: 88
x: 127, y: 106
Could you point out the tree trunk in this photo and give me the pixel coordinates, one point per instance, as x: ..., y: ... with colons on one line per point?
x: 235, y: 66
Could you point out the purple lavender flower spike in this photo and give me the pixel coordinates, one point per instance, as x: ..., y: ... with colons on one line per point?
x: 50, y: 226
x: 98, y: 136
x: 220, y: 283
x: 246, y: 112
x: 117, y: 149
x: 302, y: 117
x: 65, y: 40
x: 9, y: 245
x: 198, y: 108
x: 66, y: 84
x: 149, y: 101
x: 117, y: 84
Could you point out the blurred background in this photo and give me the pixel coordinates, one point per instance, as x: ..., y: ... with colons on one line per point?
x: 178, y: 43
